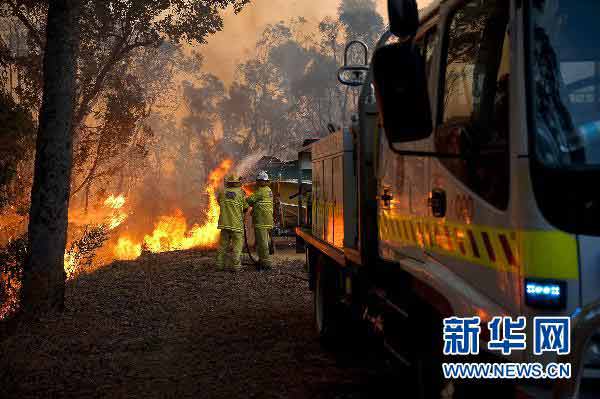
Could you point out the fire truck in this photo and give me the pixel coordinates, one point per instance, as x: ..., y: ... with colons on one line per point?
x: 465, y: 185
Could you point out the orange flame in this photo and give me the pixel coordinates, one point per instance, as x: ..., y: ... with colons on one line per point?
x: 11, y: 297
x: 118, y: 216
x: 113, y: 216
x: 172, y: 233
x: 126, y: 249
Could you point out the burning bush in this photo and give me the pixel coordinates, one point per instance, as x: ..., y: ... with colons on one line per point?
x: 79, y: 257
x: 81, y: 253
x: 12, y: 258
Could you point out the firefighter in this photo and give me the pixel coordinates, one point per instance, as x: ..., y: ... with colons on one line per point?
x: 262, y: 218
x: 232, y: 202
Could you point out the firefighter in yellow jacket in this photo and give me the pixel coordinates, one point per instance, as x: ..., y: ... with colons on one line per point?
x: 262, y: 217
x: 232, y: 203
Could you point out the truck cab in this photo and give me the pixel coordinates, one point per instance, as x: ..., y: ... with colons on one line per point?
x: 473, y: 157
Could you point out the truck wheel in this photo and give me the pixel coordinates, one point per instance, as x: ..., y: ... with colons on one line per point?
x: 326, y: 310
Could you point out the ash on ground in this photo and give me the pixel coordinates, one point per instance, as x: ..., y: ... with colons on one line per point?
x: 171, y: 325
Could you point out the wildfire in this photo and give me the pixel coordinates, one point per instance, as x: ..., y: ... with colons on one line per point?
x: 127, y: 249
x: 70, y: 263
x: 172, y: 232
x: 112, y: 215
x: 118, y: 215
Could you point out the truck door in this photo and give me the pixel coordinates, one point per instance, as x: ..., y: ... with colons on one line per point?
x: 474, y: 238
x: 404, y: 181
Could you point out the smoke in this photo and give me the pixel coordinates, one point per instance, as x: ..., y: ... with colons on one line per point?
x: 213, y: 115
x: 236, y: 42
x: 244, y: 166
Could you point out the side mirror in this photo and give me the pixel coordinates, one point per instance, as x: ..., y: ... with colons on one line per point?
x: 404, y: 17
x: 402, y: 94
x: 354, y: 74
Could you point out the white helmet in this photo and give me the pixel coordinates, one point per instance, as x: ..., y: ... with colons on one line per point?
x: 262, y: 176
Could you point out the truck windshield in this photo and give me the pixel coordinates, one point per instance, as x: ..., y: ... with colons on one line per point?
x: 566, y: 82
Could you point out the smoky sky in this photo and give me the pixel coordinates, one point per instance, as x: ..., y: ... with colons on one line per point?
x: 235, y: 43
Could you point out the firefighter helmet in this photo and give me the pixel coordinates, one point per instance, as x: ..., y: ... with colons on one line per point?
x: 262, y: 176
x: 233, y: 179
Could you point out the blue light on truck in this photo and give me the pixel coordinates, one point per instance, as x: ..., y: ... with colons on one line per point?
x: 539, y: 290
x: 545, y: 293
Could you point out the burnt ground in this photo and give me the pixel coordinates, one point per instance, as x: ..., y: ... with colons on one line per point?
x: 171, y: 325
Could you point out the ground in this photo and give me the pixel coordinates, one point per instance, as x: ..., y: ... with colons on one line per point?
x: 171, y: 325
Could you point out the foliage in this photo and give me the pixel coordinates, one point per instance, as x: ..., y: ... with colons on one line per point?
x: 17, y: 132
x: 288, y: 90
x: 361, y: 20
x: 79, y: 257
x: 12, y: 259
x: 129, y: 53
x: 82, y: 251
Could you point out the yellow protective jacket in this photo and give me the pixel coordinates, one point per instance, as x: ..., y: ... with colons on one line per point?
x: 232, y: 202
x: 262, y: 208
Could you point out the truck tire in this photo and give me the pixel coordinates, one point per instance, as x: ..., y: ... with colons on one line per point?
x: 326, y: 308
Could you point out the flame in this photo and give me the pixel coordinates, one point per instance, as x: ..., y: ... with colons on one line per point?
x: 247, y: 190
x: 112, y: 216
x: 118, y: 215
x: 126, y: 249
x: 10, y: 301
x: 115, y: 202
x: 70, y: 263
x: 172, y: 232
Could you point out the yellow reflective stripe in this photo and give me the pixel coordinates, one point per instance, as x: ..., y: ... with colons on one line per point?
x: 550, y: 254
x: 232, y: 228
x: 542, y: 254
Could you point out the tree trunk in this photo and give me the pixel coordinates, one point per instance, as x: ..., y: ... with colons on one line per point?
x: 44, y: 275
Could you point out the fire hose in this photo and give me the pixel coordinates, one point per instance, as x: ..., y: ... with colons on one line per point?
x: 256, y: 263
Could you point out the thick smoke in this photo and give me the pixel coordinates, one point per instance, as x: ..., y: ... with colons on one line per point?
x: 236, y: 42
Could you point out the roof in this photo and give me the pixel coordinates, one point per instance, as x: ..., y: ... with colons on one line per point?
x: 277, y: 170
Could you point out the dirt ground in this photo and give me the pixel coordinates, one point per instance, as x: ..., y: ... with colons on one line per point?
x: 172, y: 326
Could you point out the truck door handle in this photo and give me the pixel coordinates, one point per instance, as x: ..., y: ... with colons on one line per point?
x: 387, y: 197
x: 437, y: 202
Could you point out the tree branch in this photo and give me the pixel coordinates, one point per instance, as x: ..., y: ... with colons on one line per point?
x: 16, y: 11
x: 119, y: 52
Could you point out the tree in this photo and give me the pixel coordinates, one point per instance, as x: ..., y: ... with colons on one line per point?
x: 16, y: 137
x: 120, y: 133
x: 361, y: 20
x: 44, y: 275
x: 117, y: 37
x: 113, y: 30
x: 289, y: 90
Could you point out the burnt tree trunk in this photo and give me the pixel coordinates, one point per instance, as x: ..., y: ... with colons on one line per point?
x: 44, y: 275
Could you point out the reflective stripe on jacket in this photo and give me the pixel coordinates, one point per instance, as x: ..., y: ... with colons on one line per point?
x: 232, y: 203
x: 262, y: 208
